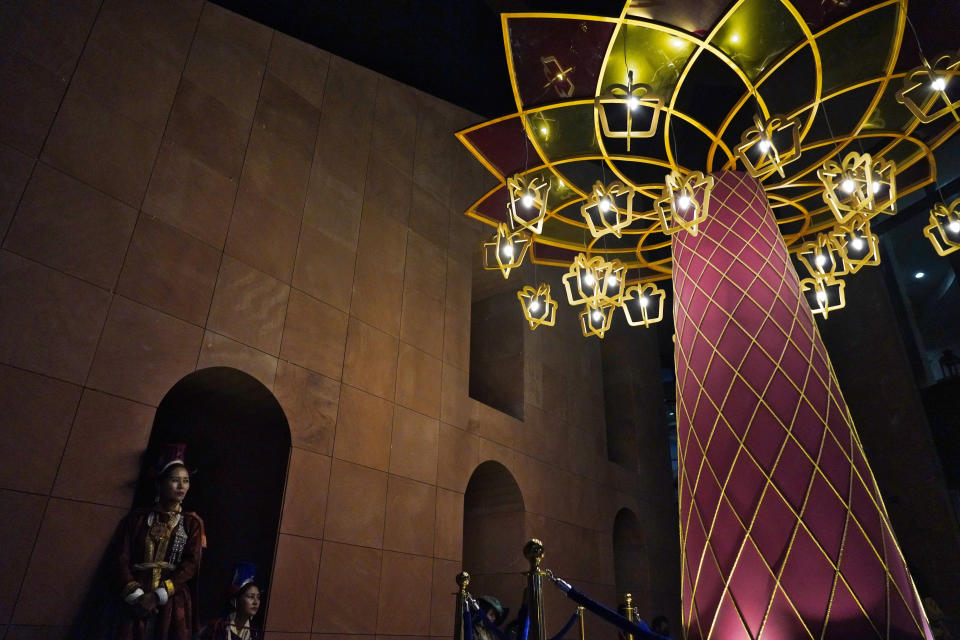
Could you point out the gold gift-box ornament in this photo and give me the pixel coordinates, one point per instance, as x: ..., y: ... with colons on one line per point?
x: 859, y: 186
x: 506, y: 250
x: 859, y: 247
x: 539, y: 308
x: 632, y: 96
x: 824, y: 294
x: 943, y: 232
x: 594, y: 281
x: 679, y: 207
x: 762, y: 137
x: 934, y: 80
x: 612, y: 205
x: 596, y: 319
x: 823, y: 256
x: 643, y: 304
x: 528, y: 195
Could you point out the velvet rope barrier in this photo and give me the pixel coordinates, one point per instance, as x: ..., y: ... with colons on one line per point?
x: 566, y: 628
x: 639, y: 629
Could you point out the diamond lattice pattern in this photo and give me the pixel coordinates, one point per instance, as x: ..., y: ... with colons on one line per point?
x: 783, y: 531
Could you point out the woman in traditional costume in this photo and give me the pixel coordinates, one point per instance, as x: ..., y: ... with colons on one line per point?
x: 156, y: 555
x: 243, y: 602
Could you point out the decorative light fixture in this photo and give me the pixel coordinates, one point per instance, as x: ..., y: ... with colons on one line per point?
x: 557, y: 76
x: 538, y: 307
x: 761, y: 137
x: 506, y: 250
x: 824, y: 294
x: 528, y: 201
x: 633, y: 96
x: 602, y: 205
x: 596, y: 318
x: 594, y: 281
x: 943, y: 232
x: 678, y: 206
x: 643, y: 304
x: 859, y: 186
x: 924, y: 87
x: 823, y: 256
x: 858, y: 246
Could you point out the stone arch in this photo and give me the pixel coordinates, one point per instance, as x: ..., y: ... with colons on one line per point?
x: 630, y: 567
x: 493, y: 534
x: 238, y: 440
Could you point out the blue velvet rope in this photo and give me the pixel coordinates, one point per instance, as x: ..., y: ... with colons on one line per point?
x: 566, y: 628
x: 489, y: 626
x: 638, y: 628
x: 467, y: 623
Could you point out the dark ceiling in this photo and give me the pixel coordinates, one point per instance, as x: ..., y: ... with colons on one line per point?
x: 453, y: 49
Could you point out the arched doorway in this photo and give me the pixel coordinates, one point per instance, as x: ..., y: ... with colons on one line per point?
x: 630, y: 568
x: 493, y: 534
x: 238, y: 440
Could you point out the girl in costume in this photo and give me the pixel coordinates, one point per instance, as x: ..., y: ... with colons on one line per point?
x: 156, y: 554
x: 244, y: 603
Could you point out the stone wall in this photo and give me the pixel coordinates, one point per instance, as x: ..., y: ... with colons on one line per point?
x: 182, y: 188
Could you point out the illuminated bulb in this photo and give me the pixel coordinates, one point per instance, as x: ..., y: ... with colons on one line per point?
x: 633, y: 103
x: 820, y: 259
x: 559, y: 76
x: 534, y: 306
x: 508, y: 250
x: 676, y: 43
x: 876, y: 187
x: 543, y: 130
x: 735, y: 38
x: 644, y: 301
x: 954, y: 226
x: 847, y: 185
x: 597, y: 316
x: 857, y: 243
x: 764, y: 145
x: 822, y: 296
x: 683, y: 201
x: 939, y: 84
x: 612, y: 280
x: 527, y: 200
x: 560, y: 184
x: 588, y: 280
x: 604, y: 205
x: 919, y: 274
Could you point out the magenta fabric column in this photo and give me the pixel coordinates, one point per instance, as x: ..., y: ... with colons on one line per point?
x: 783, y: 531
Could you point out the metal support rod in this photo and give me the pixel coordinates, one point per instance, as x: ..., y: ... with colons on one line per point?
x: 583, y: 628
x: 628, y: 611
x: 459, y: 632
x: 533, y: 552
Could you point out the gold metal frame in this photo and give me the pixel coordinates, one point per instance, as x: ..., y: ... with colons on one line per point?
x: 851, y: 187
x: 594, y: 273
x: 761, y: 136
x: 856, y: 238
x: 943, y: 221
x: 622, y: 216
x: 531, y: 192
x: 539, y: 308
x: 506, y: 250
x: 632, y: 96
x: 823, y: 256
x: 678, y: 206
x: 822, y: 288
x: 941, y: 72
x: 596, y: 318
x: 644, y: 293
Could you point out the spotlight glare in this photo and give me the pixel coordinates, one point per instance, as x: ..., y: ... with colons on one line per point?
x: 644, y: 301
x: 612, y: 280
x: 735, y: 38
x: 857, y: 243
x: 876, y: 187
x: 534, y: 306
x: 588, y: 280
x: 508, y: 250
x: 633, y: 103
x: 543, y: 130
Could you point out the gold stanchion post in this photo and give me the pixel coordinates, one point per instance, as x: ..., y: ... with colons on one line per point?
x: 629, y: 611
x: 583, y: 628
x: 463, y: 579
x: 533, y: 552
